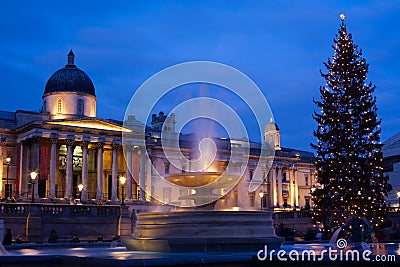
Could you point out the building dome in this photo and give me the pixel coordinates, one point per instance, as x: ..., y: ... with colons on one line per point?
x: 69, y: 79
x: 271, y: 126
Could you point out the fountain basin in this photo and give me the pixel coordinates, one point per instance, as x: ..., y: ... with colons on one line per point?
x: 193, y: 179
x: 203, y: 231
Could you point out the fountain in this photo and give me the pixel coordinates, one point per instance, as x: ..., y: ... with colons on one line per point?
x: 202, y: 229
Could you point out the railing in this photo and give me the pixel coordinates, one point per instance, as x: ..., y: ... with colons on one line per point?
x: 292, y: 214
x: 14, y: 209
x: 58, y: 210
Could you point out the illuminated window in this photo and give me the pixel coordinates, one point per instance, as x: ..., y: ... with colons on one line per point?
x: 80, y: 107
x: 60, y: 104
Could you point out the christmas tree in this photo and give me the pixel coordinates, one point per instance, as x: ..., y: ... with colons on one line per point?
x: 350, y: 179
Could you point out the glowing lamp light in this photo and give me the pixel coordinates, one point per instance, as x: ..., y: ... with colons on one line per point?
x: 80, y: 187
x: 122, y: 180
x: 8, y: 160
x: 33, y: 175
x: 261, y: 194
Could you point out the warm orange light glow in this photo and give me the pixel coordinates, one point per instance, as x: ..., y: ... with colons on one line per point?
x: 93, y: 124
x: 80, y: 187
x: 33, y: 175
x: 122, y: 180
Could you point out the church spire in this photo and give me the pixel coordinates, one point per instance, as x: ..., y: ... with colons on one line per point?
x: 71, y: 58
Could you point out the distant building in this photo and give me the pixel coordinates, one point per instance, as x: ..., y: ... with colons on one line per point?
x: 68, y: 145
x: 391, y: 167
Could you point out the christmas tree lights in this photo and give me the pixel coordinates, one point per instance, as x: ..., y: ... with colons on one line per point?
x: 349, y: 157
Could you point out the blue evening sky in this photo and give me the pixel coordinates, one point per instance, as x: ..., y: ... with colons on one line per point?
x: 280, y: 45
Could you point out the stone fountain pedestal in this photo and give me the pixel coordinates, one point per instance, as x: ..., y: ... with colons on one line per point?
x: 204, y: 231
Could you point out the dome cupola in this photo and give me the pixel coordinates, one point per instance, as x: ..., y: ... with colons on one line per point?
x: 69, y: 93
x: 70, y: 79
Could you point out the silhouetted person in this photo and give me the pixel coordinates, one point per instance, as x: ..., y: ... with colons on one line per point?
x: 53, y: 238
x: 116, y: 240
x: 7, y: 240
x: 75, y: 239
x: 100, y: 238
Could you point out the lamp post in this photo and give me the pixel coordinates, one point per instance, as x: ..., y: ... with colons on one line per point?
x: 261, y: 195
x: 8, y: 161
x: 80, y: 188
x: 33, y: 177
x: 122, y: 180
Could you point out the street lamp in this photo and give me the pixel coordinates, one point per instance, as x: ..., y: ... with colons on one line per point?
x: 80, y: 188
x: 8, y: 161
x: 122, y: 180
x: 33, y: 177
x: 261, y: 195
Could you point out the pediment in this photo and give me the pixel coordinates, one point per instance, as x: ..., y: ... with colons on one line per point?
x: 91, y: 123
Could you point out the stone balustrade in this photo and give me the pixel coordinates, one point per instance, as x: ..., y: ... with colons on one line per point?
x: 34, y: 221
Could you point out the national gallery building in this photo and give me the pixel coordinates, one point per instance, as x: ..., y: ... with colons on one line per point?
x: 78, y: 155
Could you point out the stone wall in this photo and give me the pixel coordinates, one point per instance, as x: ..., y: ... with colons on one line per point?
x: 33, y: 222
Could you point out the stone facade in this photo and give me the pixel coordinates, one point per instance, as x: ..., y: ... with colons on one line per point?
x: 71, y: 146
x: 391, y: 167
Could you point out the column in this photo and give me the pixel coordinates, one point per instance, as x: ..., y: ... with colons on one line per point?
x: 291, y: 186
x: 53, y: 162
x: 273, y: 187
x: 114, y: 173
x: 27, y: 170
x: 36, y: 158
x: 129, y: 169
x: 2, y: 144
x: 296, y: 188
x: 21, y: 159
x: 279, y: 193
x: 149, y: 189
x: 142, y: 181
x: 69, y: 169
x: 85, y: 175
x: 99, y: 191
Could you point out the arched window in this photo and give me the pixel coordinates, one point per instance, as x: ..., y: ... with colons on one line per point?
x: 60, y: 104
x: 80, y: 107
